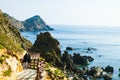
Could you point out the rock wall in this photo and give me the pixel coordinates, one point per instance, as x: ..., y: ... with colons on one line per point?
x: 9, y: 65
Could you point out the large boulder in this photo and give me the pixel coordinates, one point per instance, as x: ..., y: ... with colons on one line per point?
x: 48, y: 47
x: 95, y: 72
x: 109, y: 69
x: 81, y: 60
x: 98, y: 72
x: 67, y: 61
x: 69, y: 48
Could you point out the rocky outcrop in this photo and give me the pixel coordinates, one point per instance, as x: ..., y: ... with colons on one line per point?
x: 9, y: 65
x: 67, y: 61
x: 32, y: 24
x: 109, y: 69
x: 98, y: 72
x: 69, y: 48
x: 48, y: 47
x: 82, y: 60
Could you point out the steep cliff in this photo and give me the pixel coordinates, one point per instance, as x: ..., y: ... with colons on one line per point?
x: 32, y: 24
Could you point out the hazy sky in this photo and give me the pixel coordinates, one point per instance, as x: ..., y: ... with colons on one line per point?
x: 72, y: 12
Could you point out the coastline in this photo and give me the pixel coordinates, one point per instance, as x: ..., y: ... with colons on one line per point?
x: 84, y: 38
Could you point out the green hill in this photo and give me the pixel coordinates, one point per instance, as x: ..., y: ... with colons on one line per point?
x: 10, y: 37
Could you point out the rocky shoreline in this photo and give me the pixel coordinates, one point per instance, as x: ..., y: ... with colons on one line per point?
x: 74, y: 66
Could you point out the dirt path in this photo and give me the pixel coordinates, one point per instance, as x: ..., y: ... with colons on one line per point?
x: 28, y: 74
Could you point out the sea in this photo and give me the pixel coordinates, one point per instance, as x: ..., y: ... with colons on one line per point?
x: 104, y: 39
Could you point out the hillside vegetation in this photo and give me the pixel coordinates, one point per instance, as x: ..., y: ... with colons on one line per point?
x: 12, y: 47
x: 10, y: 37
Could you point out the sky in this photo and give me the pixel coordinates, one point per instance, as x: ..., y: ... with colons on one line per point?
x: 66, y: 12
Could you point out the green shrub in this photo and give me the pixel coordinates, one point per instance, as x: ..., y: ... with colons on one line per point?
x: 1, y: 47
x: 7, y: 56
x: 41, y: 59
x: 7, y: 72
x: 49, y: 71
x: 1, y: 60
x: 58, y: 73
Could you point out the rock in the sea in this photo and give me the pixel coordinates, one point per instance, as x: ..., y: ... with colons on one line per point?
x: 98, y: 72
x: 48, y: 47
x: 95, y: 72
x: 90, y: 49
x: 69, y: 48
x: 109, y: 69
x: 67, y: 61
x: 82, y: 60
x: 107, y: 76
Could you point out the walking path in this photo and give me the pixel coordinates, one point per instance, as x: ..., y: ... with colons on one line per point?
x: 28, y: 74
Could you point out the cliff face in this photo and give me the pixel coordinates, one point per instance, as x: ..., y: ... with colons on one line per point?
x: 9, y: 65
x: 32, y: 24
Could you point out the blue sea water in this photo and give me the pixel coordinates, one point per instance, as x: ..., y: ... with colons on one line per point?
x: 106, y: 41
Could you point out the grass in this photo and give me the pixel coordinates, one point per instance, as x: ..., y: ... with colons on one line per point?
x: 7, y: 72
x: 10, y: 37
x: 1, y: 47
x: 53, y: 71
x: 1, y: 60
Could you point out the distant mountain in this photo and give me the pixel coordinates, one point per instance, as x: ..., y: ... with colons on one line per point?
x: 36, y: 23
x: 32, y: 24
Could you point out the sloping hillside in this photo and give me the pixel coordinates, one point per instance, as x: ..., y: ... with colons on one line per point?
x: 10, y: 37
x: 12, y: 46
x: 32, y: 24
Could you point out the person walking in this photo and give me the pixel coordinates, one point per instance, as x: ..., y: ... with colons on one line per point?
x: 26, y: 60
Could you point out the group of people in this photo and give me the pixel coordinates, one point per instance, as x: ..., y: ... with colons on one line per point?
x: 26, y: 61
